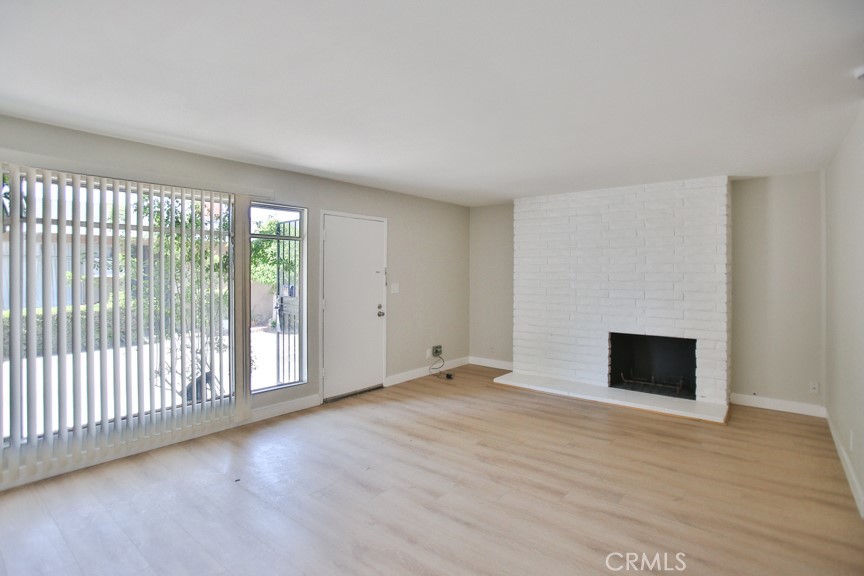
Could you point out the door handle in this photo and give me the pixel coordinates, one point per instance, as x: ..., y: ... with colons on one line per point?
x: 380, y: 313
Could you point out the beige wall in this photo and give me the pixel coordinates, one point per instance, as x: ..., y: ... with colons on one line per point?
x: 845, y: 318
x: 427, y: 240
x: 777, y: 270
x: 491, y: 281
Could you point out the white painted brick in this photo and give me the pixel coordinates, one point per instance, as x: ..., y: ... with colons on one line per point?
x: 691, y: 324
x: 625, y: 205
x: 659, y: 268
x: 707, y: 334
x: 696, y: 306
x: 653, y: 326
x: 657, y: 222
x: 658, y: 232
x: 615, y: 285
x: 618, y: 254
x: 620, y: 233
x: 642, y: 244
x: 692, y: 227
x: 664, y: 242
x: 621, y: 226
x: 665, y: 313
x: 658, y: 286
x: 695, y: 252
x: 709, y: 373
x: 688, y: 287
x: 626, y: 294
x: 716, y: 298
x: 592, y: 242
x: 710, y: 240
x: 651, y: 304
x: 664, y: 257
x: 668, y: 295
x: 583, y: 293
x: 707, y: 204
x: 624, y: 304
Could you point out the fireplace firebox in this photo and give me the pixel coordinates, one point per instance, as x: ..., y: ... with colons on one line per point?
x: 653, y: 364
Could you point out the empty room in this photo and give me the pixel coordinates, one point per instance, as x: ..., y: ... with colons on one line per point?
x: 444, y: 288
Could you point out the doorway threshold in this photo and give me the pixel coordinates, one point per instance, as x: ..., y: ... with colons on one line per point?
x: 354, y: 393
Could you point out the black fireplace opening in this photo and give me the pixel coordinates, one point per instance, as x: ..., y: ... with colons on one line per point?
x: 653, y: 364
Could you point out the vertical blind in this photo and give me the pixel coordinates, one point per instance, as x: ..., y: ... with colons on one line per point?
x: 116, y: 301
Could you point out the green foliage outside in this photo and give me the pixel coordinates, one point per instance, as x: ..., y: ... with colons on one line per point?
x: 100, y: 331
x: 265, y: 259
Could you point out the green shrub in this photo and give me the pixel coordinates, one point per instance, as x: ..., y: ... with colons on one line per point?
x: 100, y: 331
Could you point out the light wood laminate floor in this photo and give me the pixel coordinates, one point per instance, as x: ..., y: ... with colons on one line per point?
x: 453, y: 477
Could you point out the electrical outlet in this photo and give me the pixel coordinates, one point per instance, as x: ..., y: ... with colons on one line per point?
x: 437, y: 350
x: 814, y: 387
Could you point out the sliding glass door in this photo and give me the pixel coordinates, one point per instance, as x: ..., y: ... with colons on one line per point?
x: 117, y: 301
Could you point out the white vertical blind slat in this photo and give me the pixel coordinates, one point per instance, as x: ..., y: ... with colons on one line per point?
x: 127, y: 289
x: 172, y: 322
x: 90, y: 297
x: 62, y: 394
x: 104, y: 406
x: 163, y: 286
x: 192, y: 323
x: 142, y: 430
x: 77, y: 420
x: 116, y: 303
x: 183, y: 319
x: 4, y: 403
x: 15, y: 314
x: 32, y: 321
x: 221, y: 246
x: 232, y: 328
x: 151, y: 298
x: 212, y: 348
x: 46, y: 305
x: 203, y: 324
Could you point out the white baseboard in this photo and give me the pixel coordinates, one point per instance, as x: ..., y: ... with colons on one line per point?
x: 854, y: 482
x: 282, y: 408
x: 781, y: 405
x: 490, y: 363
x: 394, y: 379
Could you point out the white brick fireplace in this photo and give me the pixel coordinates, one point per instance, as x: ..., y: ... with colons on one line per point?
x: 652, y: 259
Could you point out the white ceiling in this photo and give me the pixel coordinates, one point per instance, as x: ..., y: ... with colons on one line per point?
x: 467, y: 101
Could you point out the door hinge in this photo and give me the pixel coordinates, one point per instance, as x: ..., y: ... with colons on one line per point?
x: 323, y: 304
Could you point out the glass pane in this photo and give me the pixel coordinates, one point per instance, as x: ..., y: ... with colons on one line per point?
x: 275, y: 221
x: 151, y: 261
x: 276, y: 300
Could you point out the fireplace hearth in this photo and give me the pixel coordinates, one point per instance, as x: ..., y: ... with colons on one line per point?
x: 653, y: 364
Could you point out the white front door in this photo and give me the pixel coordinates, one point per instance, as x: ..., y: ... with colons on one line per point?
x: 353, y: 303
